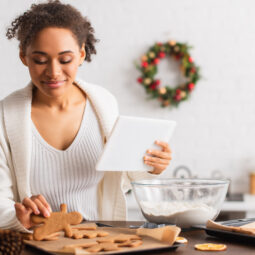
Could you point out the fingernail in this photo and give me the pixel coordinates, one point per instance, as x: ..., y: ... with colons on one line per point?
x: 47, y: 214
x: 37, y: 212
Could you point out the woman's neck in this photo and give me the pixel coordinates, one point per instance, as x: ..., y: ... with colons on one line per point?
x: 73, y: 97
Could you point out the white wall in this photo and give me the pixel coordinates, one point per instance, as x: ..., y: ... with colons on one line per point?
x: 216, y: 126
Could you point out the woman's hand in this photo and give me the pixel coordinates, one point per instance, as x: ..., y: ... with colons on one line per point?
x: 36, y: 205
x: 159, y: 159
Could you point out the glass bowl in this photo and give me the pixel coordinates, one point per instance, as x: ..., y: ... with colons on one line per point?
x: 183, y: 202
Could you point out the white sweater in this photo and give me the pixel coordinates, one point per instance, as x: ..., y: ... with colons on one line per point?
x: 69, y: 176
x: 15, y: 155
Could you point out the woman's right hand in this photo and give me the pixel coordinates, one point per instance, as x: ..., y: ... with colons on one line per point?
x: 36, y: 205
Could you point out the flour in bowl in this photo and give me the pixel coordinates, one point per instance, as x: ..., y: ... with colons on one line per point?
x: 181, y: 213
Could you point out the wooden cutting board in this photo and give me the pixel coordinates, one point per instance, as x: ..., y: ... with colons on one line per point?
x: 53, y: 247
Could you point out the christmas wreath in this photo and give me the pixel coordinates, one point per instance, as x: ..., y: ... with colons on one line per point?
x: 149, y: 66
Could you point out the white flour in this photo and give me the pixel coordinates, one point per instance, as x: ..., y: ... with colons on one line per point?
x: 183, y: 214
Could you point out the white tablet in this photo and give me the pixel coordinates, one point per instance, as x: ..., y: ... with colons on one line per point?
x: 131, y: 137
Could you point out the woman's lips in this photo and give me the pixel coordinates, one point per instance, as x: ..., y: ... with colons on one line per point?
x: 53, y: 84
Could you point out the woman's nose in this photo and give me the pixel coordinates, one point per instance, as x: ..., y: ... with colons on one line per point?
x: 53, y: 69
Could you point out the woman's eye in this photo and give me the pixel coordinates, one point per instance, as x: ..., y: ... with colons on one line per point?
x: 65, y: 61
x: 40, y: 62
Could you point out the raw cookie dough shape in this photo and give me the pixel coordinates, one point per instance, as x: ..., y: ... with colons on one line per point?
x: 56, y: 222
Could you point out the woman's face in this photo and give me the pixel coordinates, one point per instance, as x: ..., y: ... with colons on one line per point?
x: 53, y: 59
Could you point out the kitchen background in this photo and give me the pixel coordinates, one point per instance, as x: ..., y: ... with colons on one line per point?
x: 216, y: 125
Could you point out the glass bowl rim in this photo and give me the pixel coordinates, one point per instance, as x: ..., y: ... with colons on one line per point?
x: 181, y: 182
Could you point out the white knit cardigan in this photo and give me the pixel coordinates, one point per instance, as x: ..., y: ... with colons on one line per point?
x: 15, y: 155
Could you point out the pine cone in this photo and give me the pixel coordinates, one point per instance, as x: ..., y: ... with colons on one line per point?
x: 11, y: 242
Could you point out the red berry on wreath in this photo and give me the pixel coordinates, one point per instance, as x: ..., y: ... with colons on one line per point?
x: 145, y: 64
x: 153, y: 86
x: 159, y: 44
x: 140, y: 79
x: 193, y: 70
x: 178, y: 92
x: 178, y: 97
x: 190, y: 59
x: 191, y: 86
x: 161, y: 54
x: 157, y: 82
x: 156, y: 61
x: 177, y: 56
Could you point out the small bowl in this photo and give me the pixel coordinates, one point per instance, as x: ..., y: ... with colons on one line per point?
x: 183, y: 202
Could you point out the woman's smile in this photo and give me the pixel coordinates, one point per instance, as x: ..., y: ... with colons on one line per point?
x: 54, y: 84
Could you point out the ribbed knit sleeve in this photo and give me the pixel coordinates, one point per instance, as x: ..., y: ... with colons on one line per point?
x: 8, y: 217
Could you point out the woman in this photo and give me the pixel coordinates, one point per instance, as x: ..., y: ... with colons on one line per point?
x: 53, y: 130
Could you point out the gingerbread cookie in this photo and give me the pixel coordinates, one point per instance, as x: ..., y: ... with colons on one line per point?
x: 72, y: 247
x: 78, y: 234
x: 131, y: 243
x: 103, y: 247
x: 51, y: 237
x: 86, y: 226
x: 121, y: 238
x: 56, y: 222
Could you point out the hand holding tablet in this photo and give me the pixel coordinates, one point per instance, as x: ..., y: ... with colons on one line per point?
x: 130, y: 140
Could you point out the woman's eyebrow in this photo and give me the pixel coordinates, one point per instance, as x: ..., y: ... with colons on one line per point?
x: 44, y: 53
x: 66, y: 51
x: 39, y: 52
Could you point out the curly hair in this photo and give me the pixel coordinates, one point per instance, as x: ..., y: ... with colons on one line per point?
x: 53, y: 14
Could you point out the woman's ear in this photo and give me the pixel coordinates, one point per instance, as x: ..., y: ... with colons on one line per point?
x: 22, y: 57
x: 83, y: 53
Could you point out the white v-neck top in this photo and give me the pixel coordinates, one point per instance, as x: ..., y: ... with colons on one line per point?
x: 69, y: 176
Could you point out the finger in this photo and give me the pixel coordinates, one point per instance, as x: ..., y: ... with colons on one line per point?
x: 44, y: 202
x: 156, y: 171
x: 20, y: 208
x: 23, y: 214
x: 164, y: 145
x: 28, y: 203
x: 157, y: 160
x: 44, y: 210
x: 160, y: 154
x: 156, y: 165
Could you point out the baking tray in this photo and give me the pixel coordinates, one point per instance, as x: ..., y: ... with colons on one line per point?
x: 35, y: 250
x: 229, y: 235
x: 149, y: 244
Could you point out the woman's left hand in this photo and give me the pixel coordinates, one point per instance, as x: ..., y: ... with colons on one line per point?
x: 158, y: 159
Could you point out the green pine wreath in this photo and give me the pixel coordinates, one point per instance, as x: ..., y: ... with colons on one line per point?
x: 168, y: 96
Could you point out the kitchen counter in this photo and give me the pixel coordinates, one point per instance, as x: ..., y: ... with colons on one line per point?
x: 193, y: 236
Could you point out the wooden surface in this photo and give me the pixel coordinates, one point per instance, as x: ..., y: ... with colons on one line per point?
x: 193, y: 236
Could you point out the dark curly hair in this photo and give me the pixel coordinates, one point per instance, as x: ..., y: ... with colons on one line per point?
x: 53, y: 14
